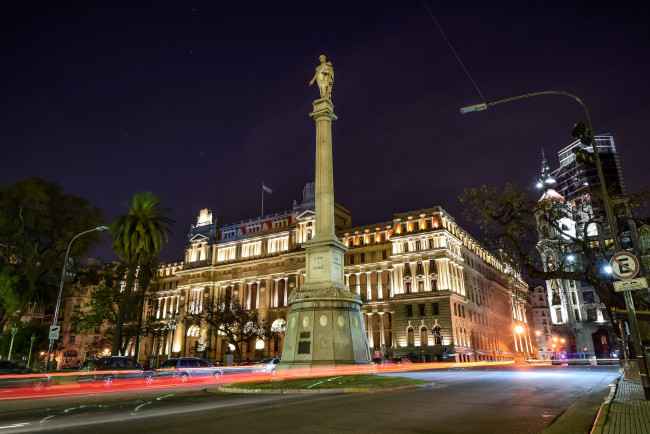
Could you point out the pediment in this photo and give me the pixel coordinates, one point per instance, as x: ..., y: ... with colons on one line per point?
x: 198, y: 238
x: 306, y: 215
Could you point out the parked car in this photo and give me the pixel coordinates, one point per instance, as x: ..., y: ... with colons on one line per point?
x: 188, y: 368
x: 107, y: 370
x: 267, y: 365
x: 14, y: 376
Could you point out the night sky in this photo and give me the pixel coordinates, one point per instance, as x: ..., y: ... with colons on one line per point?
x: 200, y: 102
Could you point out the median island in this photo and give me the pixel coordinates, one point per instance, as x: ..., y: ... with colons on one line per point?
x: 336, y: 384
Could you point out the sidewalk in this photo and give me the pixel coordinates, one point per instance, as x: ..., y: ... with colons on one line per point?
x: 625, y: 411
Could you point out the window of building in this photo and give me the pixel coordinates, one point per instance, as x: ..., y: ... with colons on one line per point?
x: 407, y: 287
x: 409, y: 310
x: 424, y: 337
x: 434, y: 308
x: 421, y: 309
x: 406, y: 247
x: 591, y: 314
x: 463, y: 311
x: 362, y: 258
x: 226, y: 254
x: 455, y: 310
x: 417, y: 245
x: 351, y: 259
x: 410, y: 338
x: 251, y: 249
x: 95, y: 340
x: 71, y: 339
x: 96, y: 329
x: 384, y: 254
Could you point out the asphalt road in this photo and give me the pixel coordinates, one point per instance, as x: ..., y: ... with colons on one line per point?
x: 505, y: 399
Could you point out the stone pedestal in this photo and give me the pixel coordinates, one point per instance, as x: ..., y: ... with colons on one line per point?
x: 325, y: 326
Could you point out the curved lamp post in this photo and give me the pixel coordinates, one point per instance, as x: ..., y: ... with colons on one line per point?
x: 58, y: 300
x: 629, y: 303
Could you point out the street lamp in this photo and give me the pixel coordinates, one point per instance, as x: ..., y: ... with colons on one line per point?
x: 14, y: 330
x: 31, y: 344
x: 58, y: 300
x: 171, y: 324
x: 587, y: 135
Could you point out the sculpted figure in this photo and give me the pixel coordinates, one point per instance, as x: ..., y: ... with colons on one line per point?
x: 324, y: 77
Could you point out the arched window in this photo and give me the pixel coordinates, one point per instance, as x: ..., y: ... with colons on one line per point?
x: 437, y: 336
x: 410, y: 337
x: 424, y: 337
x: 70, y: 353
x: 193, y: 331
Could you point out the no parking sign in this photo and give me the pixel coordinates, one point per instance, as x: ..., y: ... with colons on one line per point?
x: 624, y: 265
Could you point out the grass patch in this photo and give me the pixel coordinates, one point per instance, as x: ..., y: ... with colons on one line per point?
x: 344, y: 381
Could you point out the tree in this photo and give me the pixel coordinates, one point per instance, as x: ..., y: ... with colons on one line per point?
x: 22, y: 340
x: 37, y: 221
x: 226, y: 316
x: 138, y: 238
x: 522, y: 227
x: 103, y: 290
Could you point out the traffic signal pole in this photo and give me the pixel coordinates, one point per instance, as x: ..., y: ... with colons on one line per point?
x: 589, y: 134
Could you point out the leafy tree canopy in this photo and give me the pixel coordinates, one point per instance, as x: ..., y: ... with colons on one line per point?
x: 37, y: 221
x: 523, y: 225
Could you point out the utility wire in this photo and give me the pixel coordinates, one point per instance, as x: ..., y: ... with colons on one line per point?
x: 453, y: 51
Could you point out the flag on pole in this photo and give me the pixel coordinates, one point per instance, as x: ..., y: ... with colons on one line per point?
x: 266, y: 189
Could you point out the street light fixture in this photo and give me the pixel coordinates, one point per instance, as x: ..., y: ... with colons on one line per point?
x: 586, y: 136
x: 31, y: 344
x: 58, y: 300
x: 14, y: 330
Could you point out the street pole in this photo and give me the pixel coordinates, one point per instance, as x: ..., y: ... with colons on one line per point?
x: 31, y: 344
x: 58, y: 300
x: 11, y: 346
x: 629, y: 303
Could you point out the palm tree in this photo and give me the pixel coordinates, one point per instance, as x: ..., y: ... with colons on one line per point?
x: 138, y: 238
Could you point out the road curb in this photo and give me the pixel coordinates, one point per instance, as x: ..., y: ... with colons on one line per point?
x: 312, y: 391
x: 601, y: 417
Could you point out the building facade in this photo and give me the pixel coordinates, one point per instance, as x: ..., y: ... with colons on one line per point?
x: 580, y: 326
x: 430, y: 290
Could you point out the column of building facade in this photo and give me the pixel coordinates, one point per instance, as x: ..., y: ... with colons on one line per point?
x: 368, y: 286
x: 358, y: 282
x: 371, y: 342
x: 382, y: 337
x: 158, y: 309
x: 393, y: 329
x: 380, y: 287
x: 347, y: 280
x: 248, y: 294
x: 286, y: 289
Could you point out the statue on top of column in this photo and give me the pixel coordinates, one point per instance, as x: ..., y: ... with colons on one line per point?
x: 324, y: 77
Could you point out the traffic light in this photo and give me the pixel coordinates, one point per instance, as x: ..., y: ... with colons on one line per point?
x: 584, y: 156
x: 582, y: 133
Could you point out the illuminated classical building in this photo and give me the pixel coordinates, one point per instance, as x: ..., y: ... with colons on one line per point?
x: 429, y: 288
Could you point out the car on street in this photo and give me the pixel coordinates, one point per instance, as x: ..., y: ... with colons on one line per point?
x: 14, y: 376
x: 266, y: 365
x: 189, y: 368
x: 110, y: 369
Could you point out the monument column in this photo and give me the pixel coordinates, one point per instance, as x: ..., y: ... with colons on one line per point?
x: 325, y: 325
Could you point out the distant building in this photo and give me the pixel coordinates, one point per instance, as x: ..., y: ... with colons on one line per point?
x: 542, y: 323
x: 575, y: 310
x: 430, y: 290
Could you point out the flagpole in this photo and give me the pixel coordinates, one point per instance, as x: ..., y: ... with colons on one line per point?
x: 262, y: 215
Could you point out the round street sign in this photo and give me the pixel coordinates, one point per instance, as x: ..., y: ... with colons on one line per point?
x: 624, y: 265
